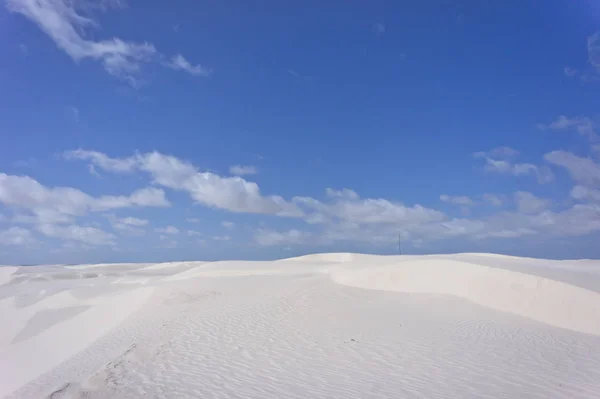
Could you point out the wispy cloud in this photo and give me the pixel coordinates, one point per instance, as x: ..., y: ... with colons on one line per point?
x: 26, y: 163
x: 85, y: 234
x: 16, y: 236
x: 582, y: 125
x: 178, y: 62
x: 570, y: 72
x: 299, y: 76
x: 243, y: 170
x: 493, y: 199
x: 65, y: 22
x: 501, y: 160
x: 379, y: 28
x: 591, y: 73
x: 270, y: 237
x: 457, y: 200
x: 167, y: 230
x: 529, y: 203
x: 75, y: 114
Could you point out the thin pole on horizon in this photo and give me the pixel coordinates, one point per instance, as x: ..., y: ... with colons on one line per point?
x: 400, y: 244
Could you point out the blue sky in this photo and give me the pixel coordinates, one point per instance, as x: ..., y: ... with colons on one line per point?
x: 147, y: 131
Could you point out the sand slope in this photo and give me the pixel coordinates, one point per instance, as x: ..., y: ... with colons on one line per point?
x: 324, y: 325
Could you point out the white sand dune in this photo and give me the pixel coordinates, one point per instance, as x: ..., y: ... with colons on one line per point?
x: 316, y: 326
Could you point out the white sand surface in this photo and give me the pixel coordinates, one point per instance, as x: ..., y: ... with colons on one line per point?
x: 316, y: 326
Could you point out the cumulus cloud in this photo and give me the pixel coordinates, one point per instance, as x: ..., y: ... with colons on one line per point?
x: 15, y: 236
x: 65, y: 22
x: 61, y: 204
x: 231, y: 193
x: 243, y: 170
x: 342, y: 215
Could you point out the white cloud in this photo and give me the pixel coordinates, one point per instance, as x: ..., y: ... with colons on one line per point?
x: 129, y: 225
x: 581, y: 169
x: 115, y: 165
x: 499, y: 161
x: 241, y: 170
x: 369, y: 211
x: 529, y: 203
x: 270, y: 238
x: 192, y: 220
x: 493, y: 199
x: 228, y: 225
x: 178, y: 62
x: 150, y: 196
x: 585, y: 194
x: 343, y: 215
x: 16, y: 236
x: 192, y: 233
x: 167, y: 230
x: 61, y: 204
x: 131, y: 221
x: 88, y: 235
x: 60, y: 20
x: 64, y: 23
x: 231, y: 193
x: 583, y: 125
x: 457, y: 200
x: 343, y: 193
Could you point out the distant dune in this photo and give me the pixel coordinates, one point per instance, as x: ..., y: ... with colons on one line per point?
x: 316, y: 326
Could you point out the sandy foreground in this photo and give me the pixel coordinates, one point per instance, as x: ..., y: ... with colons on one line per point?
x: 318, y: 326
